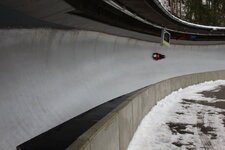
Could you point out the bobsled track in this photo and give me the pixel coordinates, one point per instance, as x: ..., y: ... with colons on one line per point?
x: 49, y: 76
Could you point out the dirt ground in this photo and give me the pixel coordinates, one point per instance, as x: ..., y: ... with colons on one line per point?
x: 206, y: 131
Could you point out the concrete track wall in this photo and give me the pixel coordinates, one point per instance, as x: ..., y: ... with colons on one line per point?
x: 115, y: 131
x: 50, y: 76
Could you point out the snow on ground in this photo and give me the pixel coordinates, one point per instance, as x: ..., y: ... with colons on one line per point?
x: 186, y: 119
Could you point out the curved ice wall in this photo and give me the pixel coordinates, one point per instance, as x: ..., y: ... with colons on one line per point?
x: 50, y: 76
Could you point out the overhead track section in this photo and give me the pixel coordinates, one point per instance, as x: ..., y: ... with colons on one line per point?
x: 150, y: 13
x: 129, y: 13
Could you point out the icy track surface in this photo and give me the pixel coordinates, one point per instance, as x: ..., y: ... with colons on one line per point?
x: 188, y: 119
x: 50, y: 76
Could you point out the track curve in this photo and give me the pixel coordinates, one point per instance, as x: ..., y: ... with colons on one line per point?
x: 50, y: 76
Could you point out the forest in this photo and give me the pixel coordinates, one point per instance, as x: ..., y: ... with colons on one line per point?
x: 205, y: 12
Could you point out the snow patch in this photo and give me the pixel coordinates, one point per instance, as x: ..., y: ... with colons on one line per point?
x: 156, y: 133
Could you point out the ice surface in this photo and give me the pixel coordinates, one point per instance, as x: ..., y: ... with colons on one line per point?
x: 50, y: 76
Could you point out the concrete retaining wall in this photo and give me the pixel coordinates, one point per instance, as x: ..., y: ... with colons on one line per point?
x: 115, y: 130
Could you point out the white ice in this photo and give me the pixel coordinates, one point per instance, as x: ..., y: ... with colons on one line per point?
x: 50, y: 76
